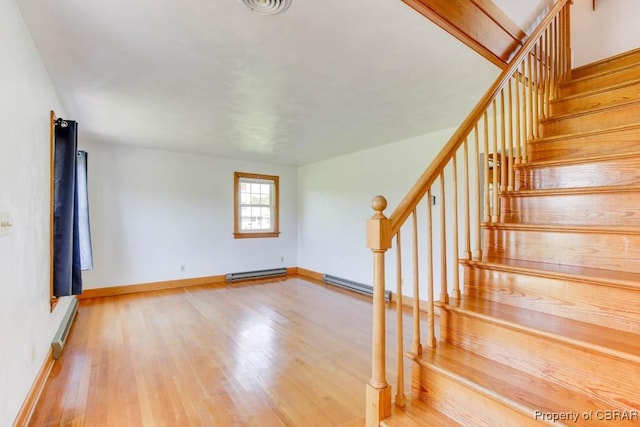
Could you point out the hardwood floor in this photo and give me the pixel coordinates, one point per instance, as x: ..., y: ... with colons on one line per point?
x: 271, y: 353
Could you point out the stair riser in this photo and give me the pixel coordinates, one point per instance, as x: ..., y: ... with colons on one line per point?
x: 617, y: 142
x: 610, y: 251
x: 547, y: 358
x: 611, y: 117
x: 625, y: 171
x: 600, y: 81
x: 617, y: 209
x: 599, y: 304
x: 463, y: 404
x: 594, y: 100
x: 611, y: 64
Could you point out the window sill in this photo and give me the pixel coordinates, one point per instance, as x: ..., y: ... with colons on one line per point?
x: 255, y: 235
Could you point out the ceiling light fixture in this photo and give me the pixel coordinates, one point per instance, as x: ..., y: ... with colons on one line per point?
x: 267, y: 7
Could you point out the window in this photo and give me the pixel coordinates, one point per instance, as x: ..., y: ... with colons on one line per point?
x: 256, y: 205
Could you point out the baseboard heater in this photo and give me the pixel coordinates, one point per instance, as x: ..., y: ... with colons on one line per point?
x: 258, y: 274
x: 63, y: 331
x: 352, y: 286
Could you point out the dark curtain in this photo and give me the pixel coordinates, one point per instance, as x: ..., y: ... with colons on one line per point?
x: 68, y: 210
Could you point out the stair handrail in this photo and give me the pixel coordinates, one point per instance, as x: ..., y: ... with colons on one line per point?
x: 428, y: 177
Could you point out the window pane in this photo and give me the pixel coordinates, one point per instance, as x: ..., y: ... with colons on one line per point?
x: 256, y: 199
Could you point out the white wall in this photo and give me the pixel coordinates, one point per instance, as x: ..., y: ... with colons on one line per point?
x: 26, y: 326
x: 153, y: 211
x: 611, y: 29
x: 334, y: 202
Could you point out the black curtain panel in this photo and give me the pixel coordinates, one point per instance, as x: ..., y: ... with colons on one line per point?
x: 70, y: 211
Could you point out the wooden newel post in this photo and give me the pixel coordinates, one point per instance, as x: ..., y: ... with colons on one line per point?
x: 378, y: 240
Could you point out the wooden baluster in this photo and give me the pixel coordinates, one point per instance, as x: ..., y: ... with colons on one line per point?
x: 378, y: 395
x: 456, y: 272
x: 400, y: 396
x: 547, y: 71
x: 510, y: 151
x: 539, y: 85
x: 567, y: 41
x: 431, y: 332
x: 563, y: 53
x: 560, y: 46
x: 529, y: 98
x: 541, y: 75
x: 467, y: 199
x: 563, y: 22
x: 519, y: 80
x: 496, y: 161
x: 487, y: 208
x: 417, y: 347
x: 478, y: 247
x: 553, y: 59
x: 535, y: 93
x: 526, y: 98
x: 503, y: 151
x: 444, y: 294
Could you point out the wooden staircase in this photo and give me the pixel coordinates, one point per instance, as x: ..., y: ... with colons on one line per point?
x: 549, y: 321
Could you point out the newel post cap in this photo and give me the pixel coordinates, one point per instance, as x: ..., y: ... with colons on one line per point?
x: 378, y: 204
x: 379, y: 226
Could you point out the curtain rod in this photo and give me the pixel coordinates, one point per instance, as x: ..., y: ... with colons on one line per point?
x: 62, y: 123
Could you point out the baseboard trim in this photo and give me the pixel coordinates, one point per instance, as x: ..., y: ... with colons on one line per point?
x: 152, y: 286
x: 310, y: 274
x: 182, y: 283
x: 29, y: 404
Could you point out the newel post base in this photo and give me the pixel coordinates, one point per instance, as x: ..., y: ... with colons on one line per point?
x: 378, y: 405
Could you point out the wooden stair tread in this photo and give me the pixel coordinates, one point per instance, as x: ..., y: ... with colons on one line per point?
x: 554, y: 228
x: 560, y: 271
x: 599, y: 74
x: 592, y: 110
x: 503, y: 383
x: 611, y: 62
x: 623, y: 345
x: 586, y: 93
x: 576, y: 161
x: 571, y: 190
x: 553, y: 138
x: 417, y: 413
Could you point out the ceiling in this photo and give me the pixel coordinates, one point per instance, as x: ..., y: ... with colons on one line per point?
x: 211, y: 77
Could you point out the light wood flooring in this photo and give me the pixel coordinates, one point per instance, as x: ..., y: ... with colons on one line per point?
x: 284, y: 352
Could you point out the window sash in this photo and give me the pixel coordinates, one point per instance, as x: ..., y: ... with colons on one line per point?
x: 253, y: 215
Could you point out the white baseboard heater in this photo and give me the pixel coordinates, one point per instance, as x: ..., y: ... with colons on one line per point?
x: 63, y: 331
x: 352, y: 286
x: 258, y: 274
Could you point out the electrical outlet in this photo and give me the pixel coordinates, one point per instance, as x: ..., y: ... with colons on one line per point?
x: 281, y: 259
x: 183, y: 268
x: 5, y: 223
